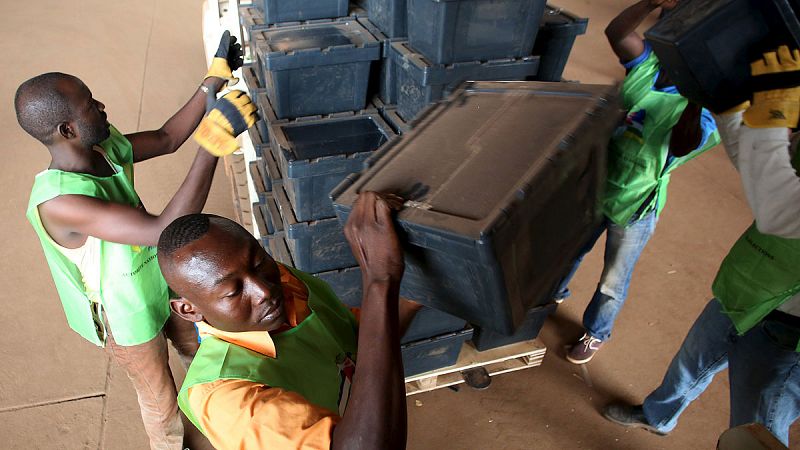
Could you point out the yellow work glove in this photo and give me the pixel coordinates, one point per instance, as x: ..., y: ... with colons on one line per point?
x: 775, y: 108
x: 227, y: 59
x: 228, y: 117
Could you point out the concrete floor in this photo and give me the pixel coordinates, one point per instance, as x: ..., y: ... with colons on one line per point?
x: 144, y: 59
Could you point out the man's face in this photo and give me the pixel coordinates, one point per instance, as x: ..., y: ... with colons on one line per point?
x: 89, y: 115
x: 229, y: 281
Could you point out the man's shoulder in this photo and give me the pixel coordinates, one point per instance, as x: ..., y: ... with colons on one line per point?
x: 50, y: 184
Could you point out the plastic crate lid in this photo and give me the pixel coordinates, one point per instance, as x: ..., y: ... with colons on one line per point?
x: 471, y: 158
x: 557, y: 21
x: 429, y: 74
x: 316, y: 43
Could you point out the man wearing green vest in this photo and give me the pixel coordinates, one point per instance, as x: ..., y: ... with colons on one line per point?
x: 662, y: 131
x: 277, y: 364
x: 752, y: 326
x: 98, y: 239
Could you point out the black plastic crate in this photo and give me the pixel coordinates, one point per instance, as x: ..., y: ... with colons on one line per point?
x: 389, y: 16
x: 277, y: 11
x: 486, y: 339
x: 398, y: 124
x: 433, y: 353
x: 317, y: 246
x: 506, y: 179
x: 448, y: 31
x: 383, y: 76
x: 346, y: 283
x: 275, y: 244
x: 554, y: 42
x: 315, y: 155
x: 427, y: 322
x: 706, y: 46
x: 316, y: 68
x: 420, y: 82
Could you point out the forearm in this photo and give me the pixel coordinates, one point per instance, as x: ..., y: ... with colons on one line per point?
x: 192, y: 194
x: 688, y: 132
x: 407, y: 310
x: 728, y: 126
x: 627, y: 21
x: 181, y: 125
x: 376, y: 411
x: 771, y: 184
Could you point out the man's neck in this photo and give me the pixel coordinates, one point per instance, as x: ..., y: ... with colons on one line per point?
x: 78, y: 159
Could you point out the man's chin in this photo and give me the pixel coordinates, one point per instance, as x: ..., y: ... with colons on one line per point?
x: 277, y: 320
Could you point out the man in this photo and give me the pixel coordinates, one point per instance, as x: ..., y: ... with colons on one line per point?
x: 96, y: 235
x: 276, y: 366
x: 752, y: 326
x: 662, y: 132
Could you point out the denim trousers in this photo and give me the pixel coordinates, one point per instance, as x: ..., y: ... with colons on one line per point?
x: 624, y: 245
x: 763, y: 367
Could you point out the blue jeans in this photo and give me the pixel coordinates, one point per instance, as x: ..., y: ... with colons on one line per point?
x: 764, y: 372
x: 624, y: 245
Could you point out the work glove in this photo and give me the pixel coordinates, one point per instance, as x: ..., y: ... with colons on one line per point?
x: 776, y: 108
x: 227, y: 59
x: 229, y: 117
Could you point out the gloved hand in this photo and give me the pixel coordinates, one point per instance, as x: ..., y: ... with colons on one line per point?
x: 775, y: 108
x: 229, y: 117
x: 227, y: 59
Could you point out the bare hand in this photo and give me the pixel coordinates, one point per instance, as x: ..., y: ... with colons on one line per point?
x: 372, y: 236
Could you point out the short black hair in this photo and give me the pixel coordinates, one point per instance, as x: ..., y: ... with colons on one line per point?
x: 40, y: 105
x: 181, y: 232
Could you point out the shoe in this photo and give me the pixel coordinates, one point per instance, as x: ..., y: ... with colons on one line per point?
x: 583, y: 351
x: 559, y: 301
x: 631, y: 416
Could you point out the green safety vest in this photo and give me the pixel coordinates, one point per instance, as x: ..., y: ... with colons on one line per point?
x: 133, y: 292
x: 760, y: 273
x: 637, y: 155
x: 314, y: 359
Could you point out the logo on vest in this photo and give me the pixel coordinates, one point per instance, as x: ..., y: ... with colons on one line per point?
x: 141, y: 266
x: 634, y: 126
x: 347, y: 368
x: 759, y: 248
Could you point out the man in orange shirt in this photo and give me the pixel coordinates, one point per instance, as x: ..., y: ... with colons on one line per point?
x: 277, y: 360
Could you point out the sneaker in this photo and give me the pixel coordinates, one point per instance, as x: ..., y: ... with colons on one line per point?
x: 559, y: 301
x: 631, y: 416
x: 583, y: 351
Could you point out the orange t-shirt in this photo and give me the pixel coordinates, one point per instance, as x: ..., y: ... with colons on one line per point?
x: 241, y: 414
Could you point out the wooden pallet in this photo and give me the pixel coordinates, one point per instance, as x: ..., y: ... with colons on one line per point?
x: 522, y: 355
x: 236, y: 170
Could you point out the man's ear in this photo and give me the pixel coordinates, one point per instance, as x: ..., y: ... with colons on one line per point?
x: 185, y: 309
x: 66, y: 130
